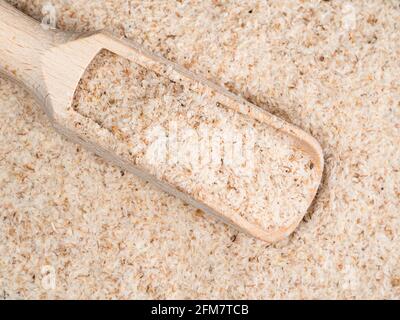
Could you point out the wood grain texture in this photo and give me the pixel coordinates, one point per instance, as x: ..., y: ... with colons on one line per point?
x: 51, y: 63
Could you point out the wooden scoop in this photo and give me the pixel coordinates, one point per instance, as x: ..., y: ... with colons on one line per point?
x: 51, y: 64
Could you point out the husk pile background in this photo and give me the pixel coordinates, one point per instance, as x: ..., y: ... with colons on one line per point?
x: 330, y: 67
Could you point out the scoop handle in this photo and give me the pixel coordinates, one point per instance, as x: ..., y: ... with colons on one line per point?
x: 23, y: 41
